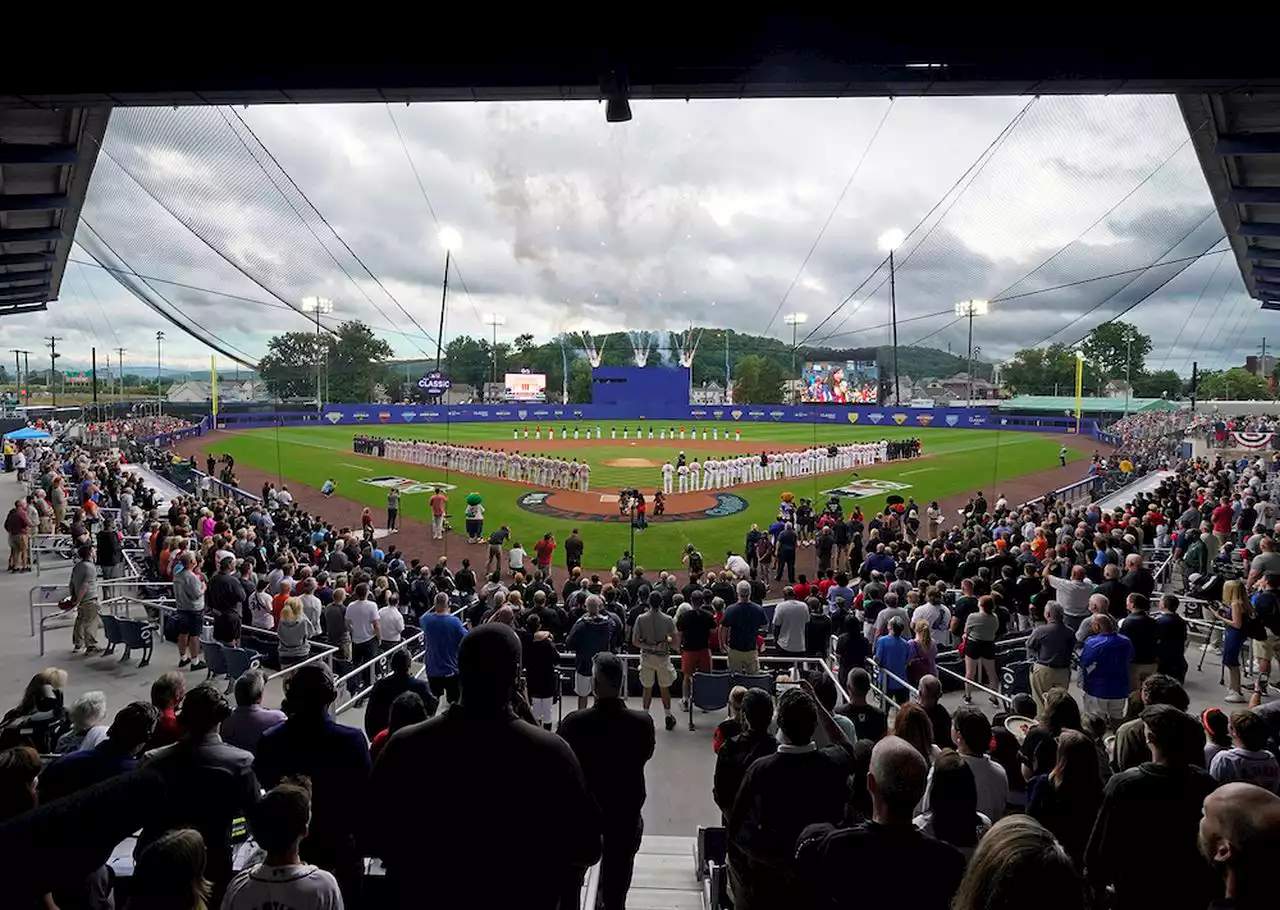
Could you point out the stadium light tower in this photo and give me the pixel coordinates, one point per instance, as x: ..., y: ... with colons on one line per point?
x: 318, y: 306
x: 451, y: 240
x: 793, y: 320
x: 889, y: 241
x: 1079, y: 388
x: 969, y: 309
x: 159, y: 398
x: 494, y: 320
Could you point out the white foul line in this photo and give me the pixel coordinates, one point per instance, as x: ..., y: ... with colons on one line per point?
x: 358, y: 467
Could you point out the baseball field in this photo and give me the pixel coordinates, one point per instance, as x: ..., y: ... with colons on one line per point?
x: 955, y: 463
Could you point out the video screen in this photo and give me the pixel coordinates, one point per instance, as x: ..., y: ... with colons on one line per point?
x: 851, y: 382
x: 526, y: 387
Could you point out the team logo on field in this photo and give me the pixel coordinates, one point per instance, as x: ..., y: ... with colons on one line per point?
x: 405, y: 485
x: 857, y: 489
x: 543, y: 503
x: 333, y: 416
x: 952, y: 420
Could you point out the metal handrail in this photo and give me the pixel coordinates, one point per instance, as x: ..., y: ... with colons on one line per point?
x: 324, y: 655
x: 365, y: 667
x: 970, y: 683
x: 871, y: 661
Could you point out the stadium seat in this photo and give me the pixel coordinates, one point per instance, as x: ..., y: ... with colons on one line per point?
x: 111, y: 632
x: 1015, y: 677
x: 766, y: 681
x: 134, y: 633
x: 237, y: 661
x: 711, y: 845
x: 264, y: 644
x: 709, y: 692
x: 216, y: 658
x: 716, y: 891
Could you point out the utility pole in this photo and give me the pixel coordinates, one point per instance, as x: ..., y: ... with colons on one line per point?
x: 93, y: 353
x: 120, y: 368
x: 1195, y: 378
x: 1128, y: 366
x: 17, y: 368
x: 53, y: 365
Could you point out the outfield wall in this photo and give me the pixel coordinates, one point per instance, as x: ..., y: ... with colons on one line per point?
x: 355, y: 415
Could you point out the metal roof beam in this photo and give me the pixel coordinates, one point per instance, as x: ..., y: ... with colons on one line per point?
x: 30, y: 235
x: 24, y: 153
x: 26, y: 258
x: 25, y: 308
x: 23, y: 280
x: 34, y: 202
x: 1254, y: 195
x: 1260, y: 228
x: 1248, y: 144
x: 1262, y: 253
x: 21, y: 295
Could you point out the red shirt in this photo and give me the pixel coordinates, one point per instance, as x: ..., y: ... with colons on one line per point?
x: 167, y: 731
x: 543, y: 550
x: 802, y: 590
x: 1221, y: 517
x: 437, y: 504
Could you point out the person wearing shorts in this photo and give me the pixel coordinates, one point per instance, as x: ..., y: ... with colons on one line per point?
x: 695, y: 626
x: 594, y: 632
x: 653, y: 633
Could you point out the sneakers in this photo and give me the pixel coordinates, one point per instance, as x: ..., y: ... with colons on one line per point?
x: 182, y: 664
x: 671, y: 721
x: 199, y: 665
x: 1235, y: 698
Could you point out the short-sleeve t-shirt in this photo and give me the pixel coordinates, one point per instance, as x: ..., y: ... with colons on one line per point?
x: 654, y: 629
x: 695, y: 628
x: 744, y: 622
x: 361, y: 614
x: 444, y: 633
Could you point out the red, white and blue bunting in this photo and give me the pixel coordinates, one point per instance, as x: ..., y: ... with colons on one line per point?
x: 1252, y: 440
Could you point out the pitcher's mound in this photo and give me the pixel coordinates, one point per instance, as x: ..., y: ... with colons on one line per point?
x: 633, y: 463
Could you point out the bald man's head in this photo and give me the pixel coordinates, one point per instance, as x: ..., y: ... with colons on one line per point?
x: 1240, y: 835
x: 896, y: 780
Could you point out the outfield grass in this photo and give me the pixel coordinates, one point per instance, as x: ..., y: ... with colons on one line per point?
x: 958, y: 462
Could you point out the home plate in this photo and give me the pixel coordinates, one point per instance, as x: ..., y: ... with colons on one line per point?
x: 609, y: 497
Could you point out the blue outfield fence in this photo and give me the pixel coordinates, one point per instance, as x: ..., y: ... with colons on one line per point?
x: 889, y: 419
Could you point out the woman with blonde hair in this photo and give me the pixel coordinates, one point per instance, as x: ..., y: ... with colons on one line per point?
x: 168, y: 873
x: 1019, y: 857
x: 922, y: 653
x: 1235, y: 613
x: 294, y: 633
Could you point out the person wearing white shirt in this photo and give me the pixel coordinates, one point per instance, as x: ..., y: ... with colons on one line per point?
x: 311, y: 605
x: 279, y: 823
x: 737, y: 565
x: 390, y: 625
x: 971, y: 731
x: 284, y: 497
x: 362, y: 622
x: 789, y: 620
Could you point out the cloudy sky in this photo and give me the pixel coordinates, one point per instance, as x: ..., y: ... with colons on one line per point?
x: 710, y: 212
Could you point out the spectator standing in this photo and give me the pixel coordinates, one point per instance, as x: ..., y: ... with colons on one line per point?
x: 787, y: 543
x: 293, y: 634
x: 1073, y: 593
x: 740, y: 751
x: 1238, y: 834
x: 279, y: 823
x: 1171, y: 640
x: 543, y: 549
x: 869, y: 722
x: 209, y: 783
x: 1143, y: 633
x: 1050, y: 646
x: 817, y: 630
x: 953, y: 815
x: 892, y: 654
x: 84, y: 595
x: 1130, y: 747
x: 188, y: 614
x: 930, y: 697
x: 653, y: 634
x: 1066, y: 800
x: 695, y: 626
x: 334, y: 622
x: 118, y: 753
x: 18, y: 525
x: 781, y: 794
x: 362, y: 622
x: 592, y: 633
x: 739, y: 630
x: 972, y: 734
x: 1166, y: 795
x: 1104, y: 664
x: 390, y: 624
x: 1019, y: 856
x: 613, y: 744
x: 980, y: 630
x: 922, y: 654
x: 1248, y: 760
x: 335, y: 758
x: 246, y: 724
x: 825, y: 853
x: 542, y: 678
x: 790, y: 617
x: 377, y: 712
x: 442, y: 633
x: 484, y: 734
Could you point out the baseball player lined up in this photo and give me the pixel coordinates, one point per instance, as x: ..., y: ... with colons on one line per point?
x: 718, y: 473
x: 529, y: 468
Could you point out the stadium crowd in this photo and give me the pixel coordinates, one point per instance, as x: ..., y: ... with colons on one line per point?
x: 810, y: 789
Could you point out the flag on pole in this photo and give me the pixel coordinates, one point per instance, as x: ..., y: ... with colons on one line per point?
x: 213, y: 377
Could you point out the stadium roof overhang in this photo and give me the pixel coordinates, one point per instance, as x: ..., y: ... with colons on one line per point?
x: 46, y: 158
x: 52, y: 115
x: 1237, y: 137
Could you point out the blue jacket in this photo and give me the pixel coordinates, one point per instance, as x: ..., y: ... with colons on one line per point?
x: 589, y: 636
x: 1105, y: 661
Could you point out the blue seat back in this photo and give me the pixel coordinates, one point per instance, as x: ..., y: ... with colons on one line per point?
x: 238, y: 660
x: 766, y: 681
x: 710, y: 691
x: 133, y: 632
x: 111, y: 628
x: 215, y: 657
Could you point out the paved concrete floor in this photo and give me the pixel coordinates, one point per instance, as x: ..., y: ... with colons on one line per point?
x: 678, y: 777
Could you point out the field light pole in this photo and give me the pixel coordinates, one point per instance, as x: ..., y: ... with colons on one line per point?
x: 318, y: 306
x: 969, y: 309
x: 890, y: 240
x: 1128, y: 365
x: 1079, y: 388
x: 159, y: 400
x: 493, y: 320
x: 451, y: 240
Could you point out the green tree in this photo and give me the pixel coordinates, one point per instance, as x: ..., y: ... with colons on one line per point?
x: 1042, y: 371
x: 1235, y: 384
x: 467, y: 361
x: 757, y: 380
x: 289, y: 366
x: 1166, y: 383
x: 1112, y: 345
x: 356, y: 361
x: 579, y: 381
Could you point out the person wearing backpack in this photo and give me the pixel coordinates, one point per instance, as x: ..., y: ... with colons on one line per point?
x: 1265, y: 630
x: 693, y: 561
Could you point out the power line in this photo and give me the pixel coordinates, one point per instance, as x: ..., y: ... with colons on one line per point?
x: 1208, y: 281
x: 983, y: 156
x: 830, y: 215
x: 331, y: 228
